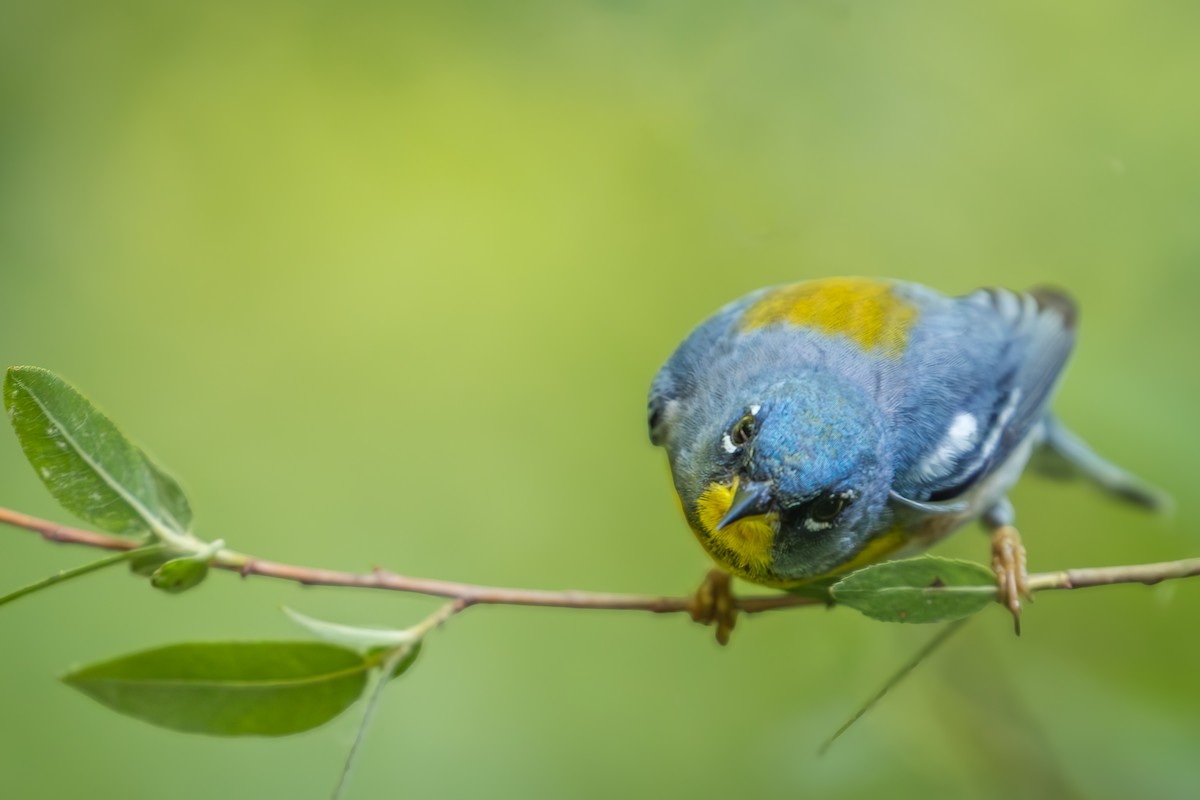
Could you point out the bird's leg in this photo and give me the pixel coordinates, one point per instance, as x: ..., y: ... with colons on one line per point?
x: 713, y: 604
x: 1008, y: 560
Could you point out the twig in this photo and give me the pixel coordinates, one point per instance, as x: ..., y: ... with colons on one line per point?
x: 470, y: 594
x: 1148, y: 574
x: 473, y: 594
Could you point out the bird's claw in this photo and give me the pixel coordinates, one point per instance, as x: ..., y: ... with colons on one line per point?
x: 1012, y: 578
x: 712, y: 604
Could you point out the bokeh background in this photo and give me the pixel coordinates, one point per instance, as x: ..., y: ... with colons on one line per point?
x: 386, y: 284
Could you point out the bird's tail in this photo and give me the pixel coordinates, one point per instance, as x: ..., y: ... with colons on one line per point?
x: 1064, y: 454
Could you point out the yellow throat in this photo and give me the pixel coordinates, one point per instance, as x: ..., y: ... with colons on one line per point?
x: 742, y: 547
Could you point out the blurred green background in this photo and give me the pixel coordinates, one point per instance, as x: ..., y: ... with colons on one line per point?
x: 386, y: 284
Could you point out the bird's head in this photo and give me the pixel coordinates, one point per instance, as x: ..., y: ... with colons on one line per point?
x: 792, y: 483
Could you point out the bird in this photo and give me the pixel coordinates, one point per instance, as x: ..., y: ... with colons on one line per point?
x: 822, y: 426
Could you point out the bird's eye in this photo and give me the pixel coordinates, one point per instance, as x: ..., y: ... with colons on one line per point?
x: 742, y: 431
x: 826, y: 507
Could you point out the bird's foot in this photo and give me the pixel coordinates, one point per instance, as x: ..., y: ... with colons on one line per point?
x: 1012, y: 578
x: 712, y: 604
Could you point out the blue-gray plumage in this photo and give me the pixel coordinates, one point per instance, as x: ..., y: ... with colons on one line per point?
x: 817, y: 427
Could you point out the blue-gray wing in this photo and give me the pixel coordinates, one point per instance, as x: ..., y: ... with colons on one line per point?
x: 986, y: 366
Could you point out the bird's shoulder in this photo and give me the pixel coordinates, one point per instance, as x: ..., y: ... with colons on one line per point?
x: 976, y: 379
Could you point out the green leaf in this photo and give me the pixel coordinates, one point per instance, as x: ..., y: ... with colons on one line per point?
x: 179, y: 575
x: 146, y: 561
x: 410, y: 655
x: 229, y: 688
x: 349, y: 636
x: 817, y: 588
x: 87, y: 463
x: 924, y: 589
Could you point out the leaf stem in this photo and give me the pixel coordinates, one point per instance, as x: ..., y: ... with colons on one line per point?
x: 381, y: 680
x: 75, y: 572
x: 389, y: 660
x: 932, y: 645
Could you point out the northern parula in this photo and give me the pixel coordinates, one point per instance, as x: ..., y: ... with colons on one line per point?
x: 819, y: 427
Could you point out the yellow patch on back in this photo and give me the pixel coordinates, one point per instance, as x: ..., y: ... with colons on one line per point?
x: 743, y: 547
x: 867, y: 312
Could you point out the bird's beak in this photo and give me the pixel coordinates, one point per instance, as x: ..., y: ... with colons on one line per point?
x: 751, y: 499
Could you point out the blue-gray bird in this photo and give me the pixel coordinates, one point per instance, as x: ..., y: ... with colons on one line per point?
x: 818, y: 427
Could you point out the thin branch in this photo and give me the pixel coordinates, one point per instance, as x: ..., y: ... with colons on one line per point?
x: 1149, y: 574
x: 473, y: 594
x: 63, y: 534
x: 470, y: 594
